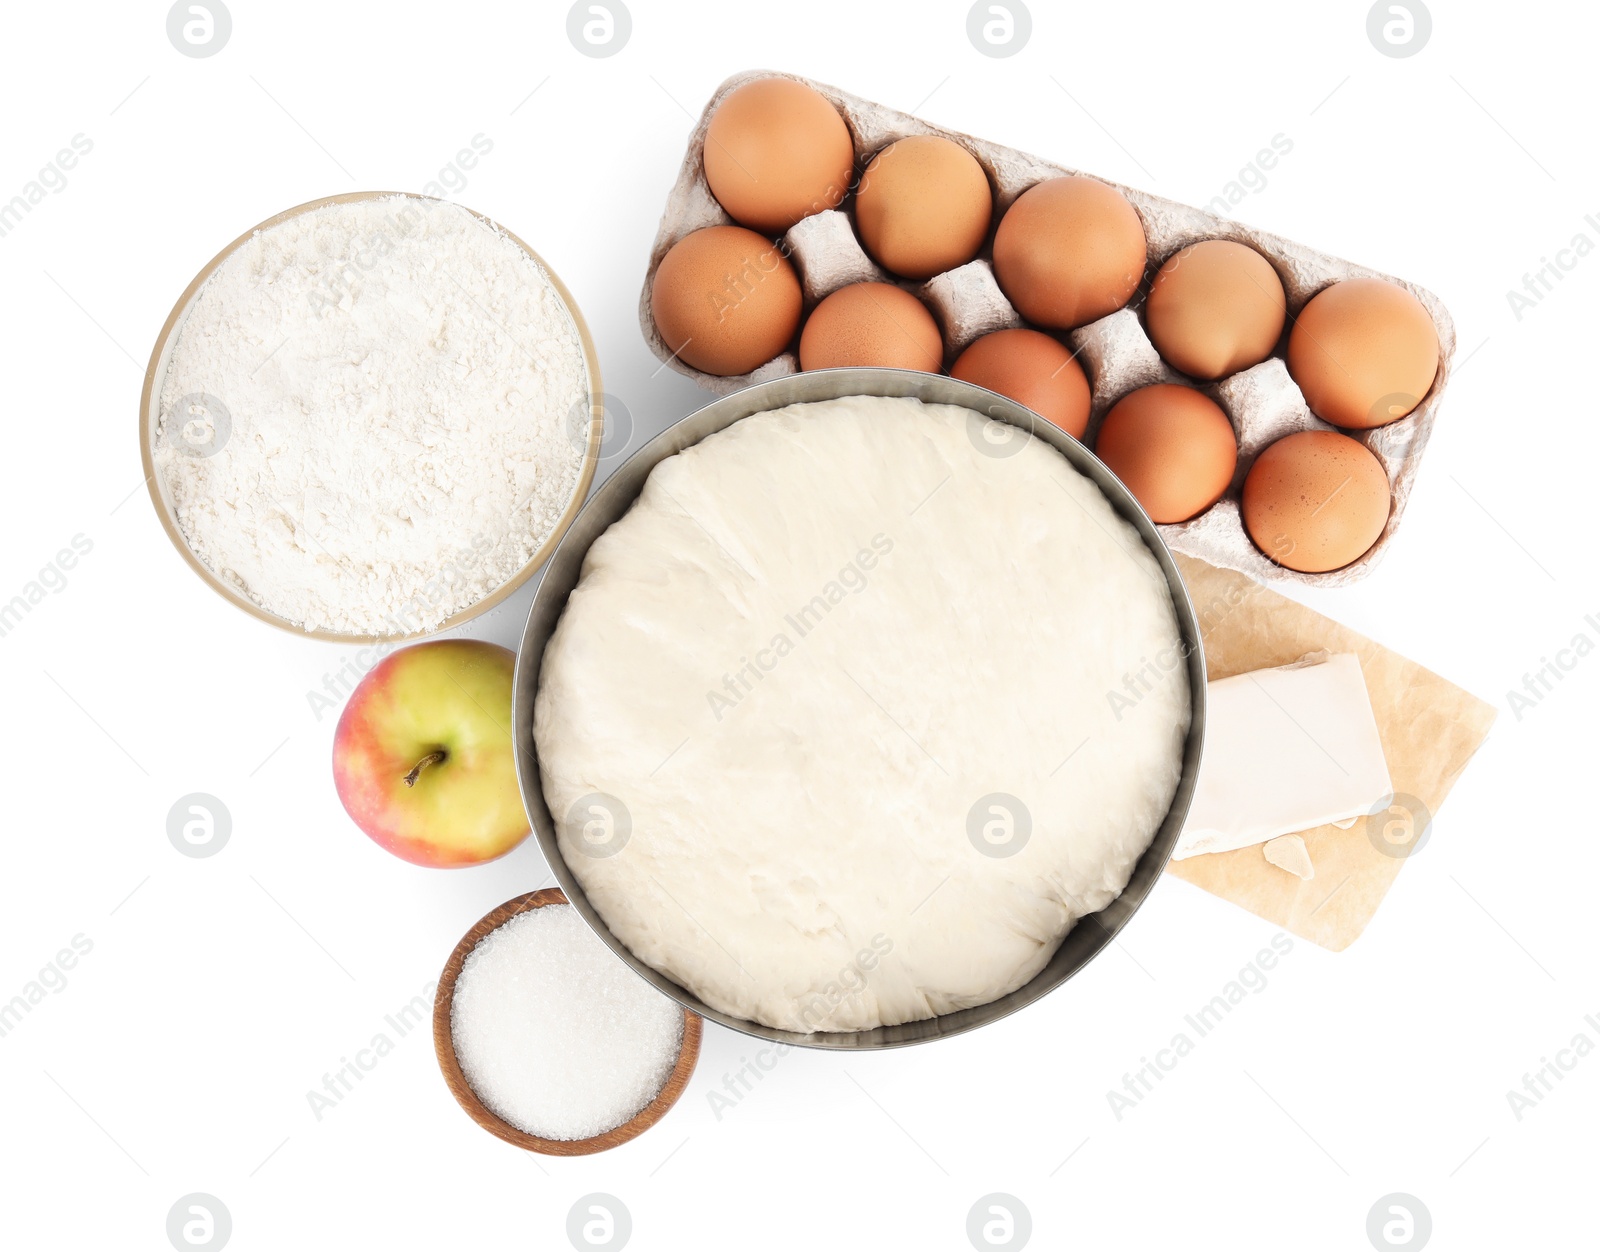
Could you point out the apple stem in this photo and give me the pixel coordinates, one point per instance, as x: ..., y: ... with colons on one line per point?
x: 433, y: 758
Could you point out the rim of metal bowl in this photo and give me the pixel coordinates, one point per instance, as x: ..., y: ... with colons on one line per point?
x: 155, y: 375
x: 616, y: 496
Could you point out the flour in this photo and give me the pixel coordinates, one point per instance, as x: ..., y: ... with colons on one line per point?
x: 373, y: 415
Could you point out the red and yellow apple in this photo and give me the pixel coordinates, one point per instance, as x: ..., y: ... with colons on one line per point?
x: 422, y: 757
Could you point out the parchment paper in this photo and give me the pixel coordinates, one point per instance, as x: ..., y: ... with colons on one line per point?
x: 1429, y: 727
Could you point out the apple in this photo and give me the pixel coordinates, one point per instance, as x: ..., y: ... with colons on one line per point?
x: 422, y: 756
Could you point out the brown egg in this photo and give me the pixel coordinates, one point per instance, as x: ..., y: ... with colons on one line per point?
x: 1069, y: 251
x: 1034, y: 370
x: 1172, y: 447
x: 725, y: 300
x: 777, y: 151
x: 871, y: 324
x: 1364, y: 352
x: 923, y: 206
x: 1315, y: 501
x: 1215, y: 308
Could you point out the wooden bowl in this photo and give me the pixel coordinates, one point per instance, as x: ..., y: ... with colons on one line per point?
x: 444, y: 1047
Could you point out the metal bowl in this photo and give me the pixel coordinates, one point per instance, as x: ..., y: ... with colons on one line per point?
x: 612, y: 500
x: 149, y: 416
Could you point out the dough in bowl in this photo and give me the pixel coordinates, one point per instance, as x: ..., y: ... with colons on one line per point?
x: 858, y: 710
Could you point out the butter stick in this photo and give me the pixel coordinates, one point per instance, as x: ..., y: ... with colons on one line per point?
x: 1286, y: 750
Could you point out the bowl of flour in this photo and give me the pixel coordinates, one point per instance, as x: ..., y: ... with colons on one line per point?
x: 821, y: 711
x: 371, y: 417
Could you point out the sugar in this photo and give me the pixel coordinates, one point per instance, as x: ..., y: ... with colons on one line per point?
x: 555, y: 1034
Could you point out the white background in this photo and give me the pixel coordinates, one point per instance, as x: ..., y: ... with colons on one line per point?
x: 219, y: 992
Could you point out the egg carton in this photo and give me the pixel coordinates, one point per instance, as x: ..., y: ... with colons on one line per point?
x: 1262, y: 402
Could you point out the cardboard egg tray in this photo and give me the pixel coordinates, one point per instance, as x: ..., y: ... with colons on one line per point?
x: 1263, y: 402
